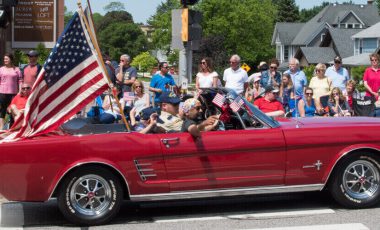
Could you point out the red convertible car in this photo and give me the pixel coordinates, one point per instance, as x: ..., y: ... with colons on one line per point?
x: 92, y: 169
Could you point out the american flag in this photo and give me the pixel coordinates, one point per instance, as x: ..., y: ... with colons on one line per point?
x: 70, y: 79
x: 129, y: 96
x: 236, y: 104
x: 219, y: 100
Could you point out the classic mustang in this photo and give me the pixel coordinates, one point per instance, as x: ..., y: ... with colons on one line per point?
x: 91, y: 170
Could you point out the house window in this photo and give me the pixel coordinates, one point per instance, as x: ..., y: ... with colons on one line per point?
x: 286, y: 53
x: 350, y: 26
x: 357, y: 46
x: 369, y: 45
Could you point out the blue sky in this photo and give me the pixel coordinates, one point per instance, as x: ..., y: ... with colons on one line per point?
x: 141, y: 10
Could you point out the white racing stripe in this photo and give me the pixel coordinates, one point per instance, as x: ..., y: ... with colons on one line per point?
x: 174, y: 219
x: 351, y: 226
x: 278, y: 214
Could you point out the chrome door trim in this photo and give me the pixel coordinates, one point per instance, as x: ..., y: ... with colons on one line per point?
x: 227, y: 192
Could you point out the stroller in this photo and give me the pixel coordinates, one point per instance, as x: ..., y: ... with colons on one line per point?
x: 364, y: 106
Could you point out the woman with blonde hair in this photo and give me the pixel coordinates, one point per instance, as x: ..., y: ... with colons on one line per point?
x: 320, y: 84
x: 141, y: 99
x: 338, y: 106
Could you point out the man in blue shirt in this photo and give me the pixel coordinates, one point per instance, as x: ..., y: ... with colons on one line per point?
x: 337, y: 74
x: 161, y: 82
x: 298, y: 77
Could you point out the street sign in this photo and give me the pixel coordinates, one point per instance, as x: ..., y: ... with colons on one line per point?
x: 245, y: 67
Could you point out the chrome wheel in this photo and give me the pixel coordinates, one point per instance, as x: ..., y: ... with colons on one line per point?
x: 361, y: 179
x: 90, y: 195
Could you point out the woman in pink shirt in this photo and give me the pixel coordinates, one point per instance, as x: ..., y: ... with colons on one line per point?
x: 10, y: 79
x: 371, y: 77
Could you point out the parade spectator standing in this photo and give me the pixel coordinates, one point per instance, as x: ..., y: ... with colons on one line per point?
x: 32, y: 69
x: 371, y: 77
x: 110, y: 67
x: 269, y: 103
x: 270, y: 76
x: 125, y: 74
x: 298, y: 77
x: 338, y: 106
x: 338, y: 74
x: 17, y: 106
x: 320, y: 84
x: 286, y: 92
x: 161, y: 82
x: 169, y: 121
x: 252, y: 93
x: 206, y: 77
x: 10, y: 80
x: 192, y: 111
x: 307, y: 106
x: 235, y: 77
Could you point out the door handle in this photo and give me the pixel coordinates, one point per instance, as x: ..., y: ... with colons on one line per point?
x: 168, y: 141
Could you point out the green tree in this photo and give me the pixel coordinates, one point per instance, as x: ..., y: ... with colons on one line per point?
x: 378, y: 5
x: 287, y: 11
x: 112, y: 17
x: 161, y: 22
x: 68, y: 16
x: 43, y: 53
x: 144, y: 62
x: 173, y: 57
x: 245, y: 25
x: 114, y: 6
x: 121, y: 37
x: 307, y: 14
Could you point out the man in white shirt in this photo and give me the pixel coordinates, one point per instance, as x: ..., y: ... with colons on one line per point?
x: 235, y: 77
x: 338, y: 74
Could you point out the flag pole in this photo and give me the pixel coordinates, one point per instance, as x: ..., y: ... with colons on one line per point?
x: 102, y: 64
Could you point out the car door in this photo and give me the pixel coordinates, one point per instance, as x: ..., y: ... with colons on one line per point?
x: 224, y: 159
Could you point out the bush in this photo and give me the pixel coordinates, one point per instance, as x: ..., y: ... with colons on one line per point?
x: 357, y: 75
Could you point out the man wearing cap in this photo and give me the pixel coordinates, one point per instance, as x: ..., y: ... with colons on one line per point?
x: 169, y: 121
x: 32, y: 69
x: 235, y: 77
x: 193, y: 124
x: 337, y: 74
x: 269, y: 104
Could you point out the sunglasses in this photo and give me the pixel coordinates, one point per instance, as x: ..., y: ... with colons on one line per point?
x: 319, y: 71
x: 138, y: 86
x: 122, y: 60
x: 25, y: 88
x: 233, y: 62
x: 337, y: 62
x: 165, y: 67
x: 309, y: 94
x: 273, y: 67
x: 374, y: 60
x: 203, y: 62
x: 198, y: 108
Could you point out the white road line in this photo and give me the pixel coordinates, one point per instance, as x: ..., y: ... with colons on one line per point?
x: 352, y: 226
x: 287, y: 213
x: 174, y: 219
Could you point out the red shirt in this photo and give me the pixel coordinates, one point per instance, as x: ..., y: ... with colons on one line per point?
x: 372, y: 77
x: 268, y: 106
x: 19, y: 102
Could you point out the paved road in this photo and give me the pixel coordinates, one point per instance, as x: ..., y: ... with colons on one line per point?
x: 309, y: 211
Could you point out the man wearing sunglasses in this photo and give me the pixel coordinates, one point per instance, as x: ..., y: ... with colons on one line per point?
x: 193, y: 122
x: 337, y: 74
x: 161, y: 82
x: 125, y: 74
x: 17, y: 106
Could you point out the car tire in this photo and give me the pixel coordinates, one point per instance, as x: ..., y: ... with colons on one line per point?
x: 90, y: 196
x: 356, y: 181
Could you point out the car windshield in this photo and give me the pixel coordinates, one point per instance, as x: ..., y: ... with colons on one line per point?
x: 255, y: 111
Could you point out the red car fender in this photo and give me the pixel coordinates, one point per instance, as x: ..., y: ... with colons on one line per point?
x: 344, y: 152
x: 97, y: 161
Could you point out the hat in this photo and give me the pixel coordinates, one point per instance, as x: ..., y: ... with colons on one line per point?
x: 272, y: 89
x: 32, y: 53
x: 169, y: 97
x: 262, y: 63
x: 337, y: 59
x: 189, y: 104
x: 145, y: 113
x: 256, y: 78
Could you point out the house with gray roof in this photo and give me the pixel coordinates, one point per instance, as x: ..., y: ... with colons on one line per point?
x: 335, y: 21
x: 368, y: 40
